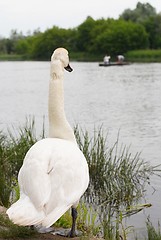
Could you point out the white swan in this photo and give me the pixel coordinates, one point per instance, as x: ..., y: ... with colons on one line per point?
x: 54, y: 174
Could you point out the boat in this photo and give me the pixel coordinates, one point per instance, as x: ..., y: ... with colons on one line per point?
x: 113, y: 64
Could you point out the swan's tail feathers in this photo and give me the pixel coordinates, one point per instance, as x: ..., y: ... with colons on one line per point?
x: 24, y: 213
x: 52, y: 217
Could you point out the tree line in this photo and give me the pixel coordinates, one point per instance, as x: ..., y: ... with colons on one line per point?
x: 134, y: 29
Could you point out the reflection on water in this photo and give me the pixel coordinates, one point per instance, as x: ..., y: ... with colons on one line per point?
x: 121, y: 98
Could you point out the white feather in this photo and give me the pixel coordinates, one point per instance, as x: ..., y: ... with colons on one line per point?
x: 54, y: 174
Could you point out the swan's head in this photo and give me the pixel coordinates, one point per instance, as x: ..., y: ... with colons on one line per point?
x: 61, y: 54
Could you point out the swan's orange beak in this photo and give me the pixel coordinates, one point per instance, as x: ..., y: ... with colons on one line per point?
x: 68, y: 68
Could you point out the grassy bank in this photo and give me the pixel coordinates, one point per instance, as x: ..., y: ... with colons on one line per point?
x: 117, y: 186
x: 144, y: 56
x: 86, y: 57
x: 132, y: 56
x: 12, y: 57
x: 74, y: 56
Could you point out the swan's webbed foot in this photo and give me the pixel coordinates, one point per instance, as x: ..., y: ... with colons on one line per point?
x: 71, y: 234
x: 65, y: 233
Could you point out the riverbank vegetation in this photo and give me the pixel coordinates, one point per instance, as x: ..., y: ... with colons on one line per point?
x: 134, y: 30
x: 148, y: 55
x: 118, y: 180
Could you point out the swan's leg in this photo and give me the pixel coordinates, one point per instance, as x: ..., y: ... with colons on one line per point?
x: 72, y: 232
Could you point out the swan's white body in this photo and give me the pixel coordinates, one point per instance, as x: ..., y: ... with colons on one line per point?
x: 54, y: 174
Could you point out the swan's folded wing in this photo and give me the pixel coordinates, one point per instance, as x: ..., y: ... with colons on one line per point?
x: 34, y: 182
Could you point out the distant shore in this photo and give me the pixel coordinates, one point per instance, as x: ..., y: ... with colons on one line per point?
x: 131, y: 56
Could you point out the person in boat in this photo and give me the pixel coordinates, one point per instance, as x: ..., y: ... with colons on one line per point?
x: 120, y: 58
x: 106, y: 59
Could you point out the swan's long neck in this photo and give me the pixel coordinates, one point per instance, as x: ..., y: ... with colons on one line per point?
x: 58, y: 124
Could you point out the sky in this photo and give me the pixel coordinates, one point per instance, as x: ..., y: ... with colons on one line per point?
x: 29, y: 15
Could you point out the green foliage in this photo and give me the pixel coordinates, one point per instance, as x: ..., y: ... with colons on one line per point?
x: 140, y: 14
x: 144, y: 55
x: 153, y: 28
x: 23, y: 46
x: 117, y: 180
x: 84, y: 39
x: 135, y: 29
x: 65, y: 221
x: 45, y: 43
x: 8, y: 230
x: 146, y: 15
x: 153, y: 234
x: 116, y: 177
x: 119, y: 37
x: 87, y: 221
x: 11, y: 57
x: 12, y: 152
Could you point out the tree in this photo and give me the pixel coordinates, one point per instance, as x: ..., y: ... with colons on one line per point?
x: 45, y: 43
x: 23, y: 46
x: 84, y: 34
x: 3, y: 49
x: 146, y: 15
x: 140, y: 14
x: 119, y: 37
x: 153, y: 28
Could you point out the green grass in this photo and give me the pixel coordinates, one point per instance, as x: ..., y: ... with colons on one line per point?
x: 153, y: 234
x: 13, y: 148
x: 74, y: 56
x: 85, y: 57
x: 144, y: 55
x: 12, y: 57
x: 10, y: 230
x: 87, y: 221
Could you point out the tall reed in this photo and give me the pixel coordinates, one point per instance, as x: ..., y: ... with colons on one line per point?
x: 153, y: 234
x: 13, y: 148
x: 118, y: 180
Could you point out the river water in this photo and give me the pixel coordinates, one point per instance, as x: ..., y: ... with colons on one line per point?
x: 124, y: 98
